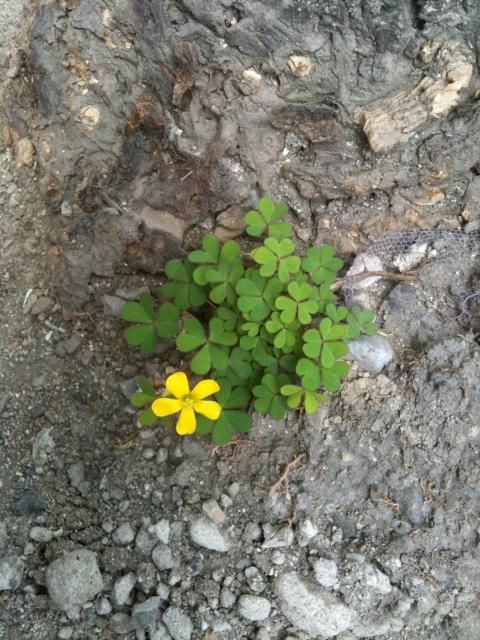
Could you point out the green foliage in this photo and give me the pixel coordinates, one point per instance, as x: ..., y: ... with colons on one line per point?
x: 271, y: 334
x: 265, y: 220
x: 146, y: 326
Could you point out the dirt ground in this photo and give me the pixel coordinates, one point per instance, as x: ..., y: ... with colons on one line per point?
x: 361, y: 521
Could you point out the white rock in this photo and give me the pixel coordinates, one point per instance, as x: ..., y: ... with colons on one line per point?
x: 161, y: 530
x: 254, y: 608
x: 178, y: 623
x: 326, y: 572
x: 73, y: 579
x: 312, y: 610
x: 206, y: 534
x: 372, y: 353
x: 212, y: 510
x: 365, y: 262
x: 122, y: 589
x: 281, y: 538
x: 11, y: 573
x: 300, y: 66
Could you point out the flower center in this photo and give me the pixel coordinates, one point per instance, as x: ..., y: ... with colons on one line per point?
x: 188, y: 400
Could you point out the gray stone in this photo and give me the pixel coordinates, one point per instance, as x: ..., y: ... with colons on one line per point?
x: 124, y: 534
x: 254, y: 608
x: 145, y: 542
x: 11, y: 573
x: 41, y: 534
x: 76, y: 473
x: 206, y: 534
x: 121, y: 623
x: 314, y: 611
x: 252, y: 531
x: 103, y: 607
x: 72, y: 344
x: 160, y: 632
x: 227, y: 598
x: 162, y: 557
x: 283, y: 537
x: 65, y: 633
x: 161, y: 530
x: 212, y: 510
x: 73, y: 579
x: 375, y: 580
x: 411, y: 500
x: 326, y: 572
x: 25, y: 153
x: 112, y: 306
x: 43, y: 445
x: 306, y: 532
x: 42, y: 305
x: 372, y: 353
x: 254, y: 579
x: 123, y: 588
x: 146, y: 614
x: 178, y: 623
x: 162, y: 455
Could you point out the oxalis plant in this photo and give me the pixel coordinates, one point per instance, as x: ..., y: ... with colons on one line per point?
x: 264, y: 327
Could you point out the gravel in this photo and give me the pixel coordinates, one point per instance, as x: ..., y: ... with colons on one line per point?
x: 74, y: 579
x: 11, y: 573
x: 162, y: 557
x: 254, y: 608
x: 326, y: 572
x: 122, y: 589
x: 146, y: 614
x: 178, y: 623
x: 124, y: 534
x: 206, y: 534
x: 310, y: 609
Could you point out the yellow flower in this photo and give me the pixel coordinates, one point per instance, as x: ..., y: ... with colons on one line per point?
x: 187, y: 402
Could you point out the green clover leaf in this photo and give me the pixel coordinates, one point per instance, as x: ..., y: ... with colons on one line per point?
x: 285, y: 336
x: 141, y: 334
x: 192, y: 336
x: 209, y: 253
x: 223, y: 275
x: 268, y: 396
x: 166, y: 322
x: 265, y: 220
x: 275, y: 257
x: 332, y: 377
x: 257, y: 295
x: 360, y: 321
x: 326, y: 343
x: 295, y: 394
x: 232, y: 418
x: 182, y: 289
x: 309, y: 373
x: 322, y: 264
x: 298, y: 305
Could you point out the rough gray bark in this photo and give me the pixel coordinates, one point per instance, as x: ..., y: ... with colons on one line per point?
x: 149, y: 117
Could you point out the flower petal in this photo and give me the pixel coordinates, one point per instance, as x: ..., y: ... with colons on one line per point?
x: 165, y: 406
x: 205, y: 388
x: 186, y: 422
x: 177, y: 384
x: 208, y: 408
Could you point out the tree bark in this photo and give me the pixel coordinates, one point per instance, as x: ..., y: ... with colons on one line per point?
x: 148, y: 117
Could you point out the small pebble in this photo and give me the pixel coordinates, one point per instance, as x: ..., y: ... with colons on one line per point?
x: 254, y: 608
x: 122, y: 589
x: 212, y: 509
x: 41, y: 534
x: 103, y: 607
x: 123, y: 535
